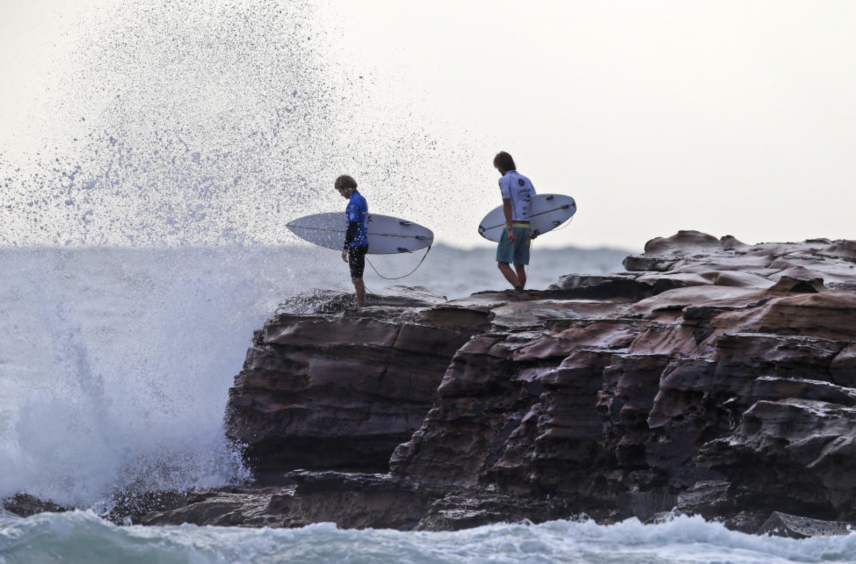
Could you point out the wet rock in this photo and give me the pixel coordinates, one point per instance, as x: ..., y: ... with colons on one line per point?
x: 807, y: 448
x: 746, y: 521
x: 647, y: 506
x: 130, y: 508
x: 842, y: 369
x: 741, y: 355
x: 351, y: 500
x: 602, y: 287
x: 329, y: 301
x: 462, y: 511
x: 795, y: 527
x: 26, y: 505
x: 635, y: 263
x: 228, y: 507
x: 713, y: 499
x: 354, y: 501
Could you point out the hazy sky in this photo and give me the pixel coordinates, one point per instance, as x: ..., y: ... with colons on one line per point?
x: 729, y: 117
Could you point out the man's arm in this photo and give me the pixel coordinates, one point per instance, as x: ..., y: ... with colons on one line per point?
x: 349, y: 236
x: 506, y: 209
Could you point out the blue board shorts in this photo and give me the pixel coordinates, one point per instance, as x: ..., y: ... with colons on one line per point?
x: 518, y: 251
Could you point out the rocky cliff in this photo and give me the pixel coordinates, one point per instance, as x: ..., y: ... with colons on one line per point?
x: 712, y: 377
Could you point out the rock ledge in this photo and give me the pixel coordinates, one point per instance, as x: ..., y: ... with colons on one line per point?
x: 712, y: 378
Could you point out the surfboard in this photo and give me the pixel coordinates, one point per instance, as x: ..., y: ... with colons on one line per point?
x: 547, y: 212
x: 387, y: 235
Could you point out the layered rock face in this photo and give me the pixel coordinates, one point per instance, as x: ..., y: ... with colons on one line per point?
x: 713, y: 377
x: 326, y: 390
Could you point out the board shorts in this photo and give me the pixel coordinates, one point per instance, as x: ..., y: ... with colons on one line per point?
x: 357, y: 260
x: 517, y: 252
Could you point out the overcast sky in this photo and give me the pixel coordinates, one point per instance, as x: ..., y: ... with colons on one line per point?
x: 729, y: 117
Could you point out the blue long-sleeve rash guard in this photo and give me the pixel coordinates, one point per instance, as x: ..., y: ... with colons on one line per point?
x: 357, y: 214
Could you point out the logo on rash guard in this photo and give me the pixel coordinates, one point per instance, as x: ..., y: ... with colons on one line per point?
x: 520, y: 182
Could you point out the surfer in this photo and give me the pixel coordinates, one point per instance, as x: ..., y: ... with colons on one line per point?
x: 356, y: 237
x: 517, y: 192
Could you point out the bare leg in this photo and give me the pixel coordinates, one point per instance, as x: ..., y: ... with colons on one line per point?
x: 521, y: 274
x: 508, y: 273
x: 360, y: 287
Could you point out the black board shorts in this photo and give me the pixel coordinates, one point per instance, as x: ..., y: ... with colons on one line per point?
x: 357, y: 260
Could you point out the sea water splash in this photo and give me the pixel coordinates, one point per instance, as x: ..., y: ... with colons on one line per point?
x: 83, y: 537
x: 116, y: 366
x: 180, y: 122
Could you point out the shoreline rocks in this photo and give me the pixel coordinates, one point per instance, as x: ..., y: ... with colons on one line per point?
x: 712, y: 378
x: 338, y: 391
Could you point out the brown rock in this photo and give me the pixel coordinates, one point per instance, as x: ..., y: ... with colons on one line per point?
x: 628, y: 394
x: 341, y: 391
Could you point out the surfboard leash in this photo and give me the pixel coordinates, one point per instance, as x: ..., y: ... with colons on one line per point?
x: 406, y: 275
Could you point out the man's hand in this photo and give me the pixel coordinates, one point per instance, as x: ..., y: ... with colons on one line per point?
x: 345, y: 255
x: 511, y: 236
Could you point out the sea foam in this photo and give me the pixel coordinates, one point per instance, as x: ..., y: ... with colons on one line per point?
x: 84, y: 537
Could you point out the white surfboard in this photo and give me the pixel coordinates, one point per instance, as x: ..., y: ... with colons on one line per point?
x: 387, y: 235
x: 546, y: 212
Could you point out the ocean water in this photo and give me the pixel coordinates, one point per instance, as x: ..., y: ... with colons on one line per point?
x: 83, y: 537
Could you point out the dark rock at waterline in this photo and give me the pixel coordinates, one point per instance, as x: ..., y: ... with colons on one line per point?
x: 126, y: 508
x: 713, y: 378
x: 229, y: 506
x: 351, y: 500
x: 129, y: 508
x: 26, y: 505
x: 784, y: 525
